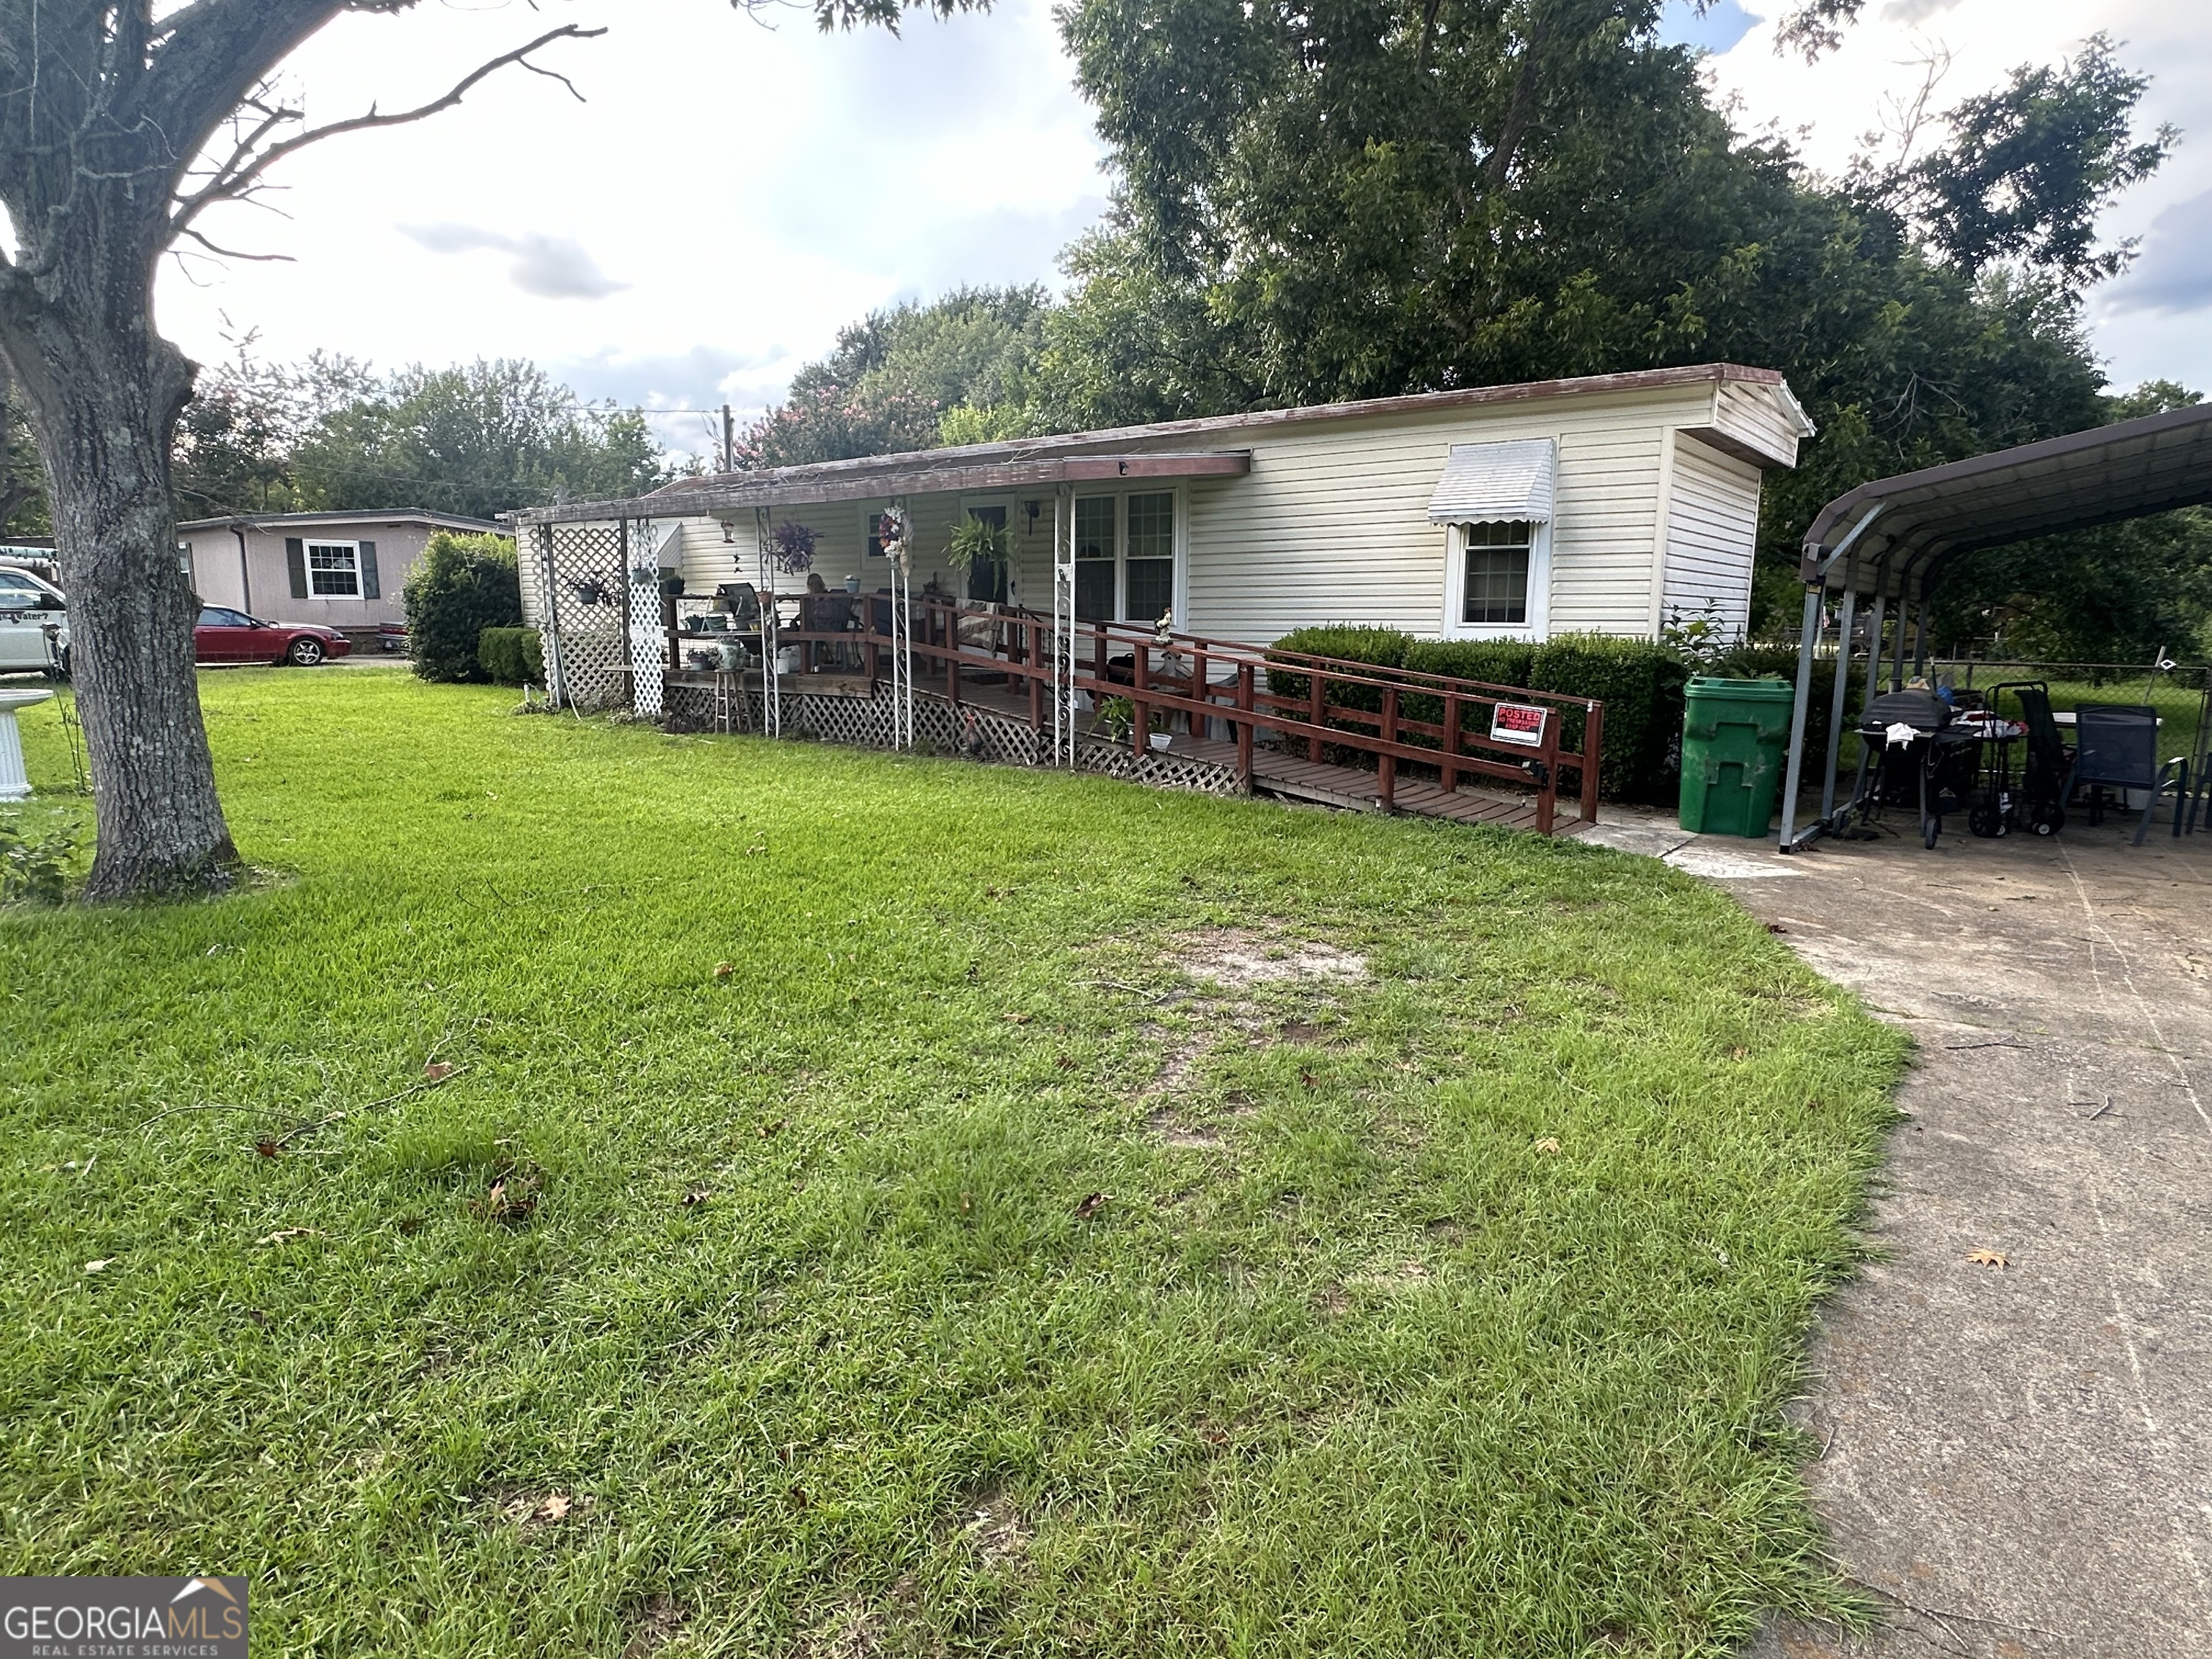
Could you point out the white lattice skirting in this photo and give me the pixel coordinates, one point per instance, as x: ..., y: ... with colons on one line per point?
x: 947, y: 728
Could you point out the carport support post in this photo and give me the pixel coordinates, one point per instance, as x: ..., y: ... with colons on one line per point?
x: 1843, y: 691
x: 1904, y: 626
x: 1807, y: 638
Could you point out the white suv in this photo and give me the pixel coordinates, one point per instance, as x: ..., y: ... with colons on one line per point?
x: 29, y: 606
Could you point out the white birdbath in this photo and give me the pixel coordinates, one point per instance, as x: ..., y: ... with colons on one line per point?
x: 15, y: 782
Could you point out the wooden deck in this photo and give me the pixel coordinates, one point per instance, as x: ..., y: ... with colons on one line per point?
x: 1293, y: 777
x: 1186, y: 686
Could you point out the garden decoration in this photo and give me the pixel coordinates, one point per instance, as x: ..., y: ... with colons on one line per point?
x: 591, y: 589
x: 791, y: 547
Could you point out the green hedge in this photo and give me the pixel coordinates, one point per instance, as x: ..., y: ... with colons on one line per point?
x: 1492, y: 662
x: 1385, y: 648
x: 1640, y: 683
x: 512, y: 656
x: 461, y: 586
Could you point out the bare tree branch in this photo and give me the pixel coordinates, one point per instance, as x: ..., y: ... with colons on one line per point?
x: 232, y: 252
x: 239, y: 174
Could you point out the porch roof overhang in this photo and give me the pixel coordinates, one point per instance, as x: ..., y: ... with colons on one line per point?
x: 1891, y: 535
x: 881, y: 478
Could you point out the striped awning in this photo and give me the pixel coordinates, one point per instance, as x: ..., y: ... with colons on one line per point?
x: 1497, y: 483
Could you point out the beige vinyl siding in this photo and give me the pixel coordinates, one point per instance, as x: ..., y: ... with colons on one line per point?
x: 1332, y: 523
x: 1712, y: 533
x: 1758, y: 416
x: 1604, y: 530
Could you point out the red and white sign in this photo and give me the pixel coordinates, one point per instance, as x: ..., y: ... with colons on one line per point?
x: 1518, y: 723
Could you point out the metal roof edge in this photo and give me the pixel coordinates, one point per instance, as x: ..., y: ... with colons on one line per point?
x: 389, y: 515
x: 1845, y: 506
x: 1039, y: 448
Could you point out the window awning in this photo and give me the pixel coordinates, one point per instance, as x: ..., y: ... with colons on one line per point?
x: 1497, y: 483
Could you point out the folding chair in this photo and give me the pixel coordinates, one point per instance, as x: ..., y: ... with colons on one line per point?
x: 2117, y: 748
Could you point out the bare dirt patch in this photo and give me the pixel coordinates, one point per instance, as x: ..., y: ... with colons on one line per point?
x: 1171, y: 1131
x: 1240, y: 957
x: 854, y: 1633
x: 657, y: 1623
x: 997, y: 1527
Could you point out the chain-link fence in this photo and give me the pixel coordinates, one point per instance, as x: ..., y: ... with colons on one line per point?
x: 2181, y: 695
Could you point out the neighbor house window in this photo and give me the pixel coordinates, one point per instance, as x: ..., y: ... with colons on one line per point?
x: 1124, y: 556
x: 1496, y: 580
x: 334, y: 567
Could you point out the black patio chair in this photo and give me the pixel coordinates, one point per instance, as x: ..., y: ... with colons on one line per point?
x: 2117, y: 748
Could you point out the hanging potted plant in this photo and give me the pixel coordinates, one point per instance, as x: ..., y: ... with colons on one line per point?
x: 791, y: 547
x: 975, y: 542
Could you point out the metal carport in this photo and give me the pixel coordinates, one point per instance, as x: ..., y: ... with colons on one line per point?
x: 1892, y: 538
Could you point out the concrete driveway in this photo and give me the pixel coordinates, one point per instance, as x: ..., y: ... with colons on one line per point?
x: 2016, y: 1459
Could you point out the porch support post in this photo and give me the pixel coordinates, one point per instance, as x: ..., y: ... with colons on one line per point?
x: 1905, y: 581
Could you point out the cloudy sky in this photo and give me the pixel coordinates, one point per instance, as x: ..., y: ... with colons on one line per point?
x: 733, y: 189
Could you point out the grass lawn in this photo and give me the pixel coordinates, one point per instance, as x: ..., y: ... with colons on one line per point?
x: 1447, y: 1307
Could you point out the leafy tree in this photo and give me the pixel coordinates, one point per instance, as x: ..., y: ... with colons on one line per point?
x: 2031, y: 165
x: 477, y: 440
x: 22, y: 491
x: 908, y: 378
x: 120, y: 132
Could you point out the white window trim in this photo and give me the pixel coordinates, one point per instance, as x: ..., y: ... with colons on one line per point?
x: 1538, y: 626
x: 351, y: 549
x: 1179, y: 540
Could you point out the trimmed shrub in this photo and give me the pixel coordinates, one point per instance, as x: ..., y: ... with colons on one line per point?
x: 1385, y: 648
x: 1640, y: 683
x: 512, y: 656
x: 1491, y: 662
x: 461, y: 586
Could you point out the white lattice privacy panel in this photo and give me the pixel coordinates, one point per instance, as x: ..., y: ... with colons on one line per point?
x: 585, y: 608
x: 648, y: 646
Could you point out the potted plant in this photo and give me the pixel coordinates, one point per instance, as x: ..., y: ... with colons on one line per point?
x: 791, y: 547
x: 975, y: 541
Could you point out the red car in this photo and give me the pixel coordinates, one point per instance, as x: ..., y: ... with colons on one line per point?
x: 225, y: 636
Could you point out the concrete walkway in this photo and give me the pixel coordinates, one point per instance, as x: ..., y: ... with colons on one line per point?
x: 2016, y: 1459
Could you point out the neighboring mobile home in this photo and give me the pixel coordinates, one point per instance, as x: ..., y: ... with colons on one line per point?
x: 344, y: 570
x: 1604, y: 503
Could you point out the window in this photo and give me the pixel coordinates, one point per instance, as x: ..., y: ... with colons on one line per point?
x: 334, y: 567
x: 1096, y: 517
x: 1151, y: 558
x: 1124, y: 556
x: 1498, y: 560
x: 876, y: 535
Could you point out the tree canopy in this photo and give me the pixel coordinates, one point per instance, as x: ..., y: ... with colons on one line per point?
x: 1347, y: 198
x: 908, y: 378
x: 477, y: 440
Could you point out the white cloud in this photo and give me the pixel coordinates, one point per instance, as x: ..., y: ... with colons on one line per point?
x: 1914, y: 11
x: 551, y: 267
x: 2174, y: 275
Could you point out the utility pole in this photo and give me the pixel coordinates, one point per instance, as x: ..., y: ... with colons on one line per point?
x: 729, y: 442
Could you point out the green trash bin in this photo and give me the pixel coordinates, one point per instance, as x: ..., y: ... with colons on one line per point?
x: 1734, y: 734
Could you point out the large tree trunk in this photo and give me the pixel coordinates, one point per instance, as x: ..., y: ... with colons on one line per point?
x: 103, y: 391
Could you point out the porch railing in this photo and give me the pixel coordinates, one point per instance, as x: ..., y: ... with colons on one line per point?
x: 1403, y: 724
